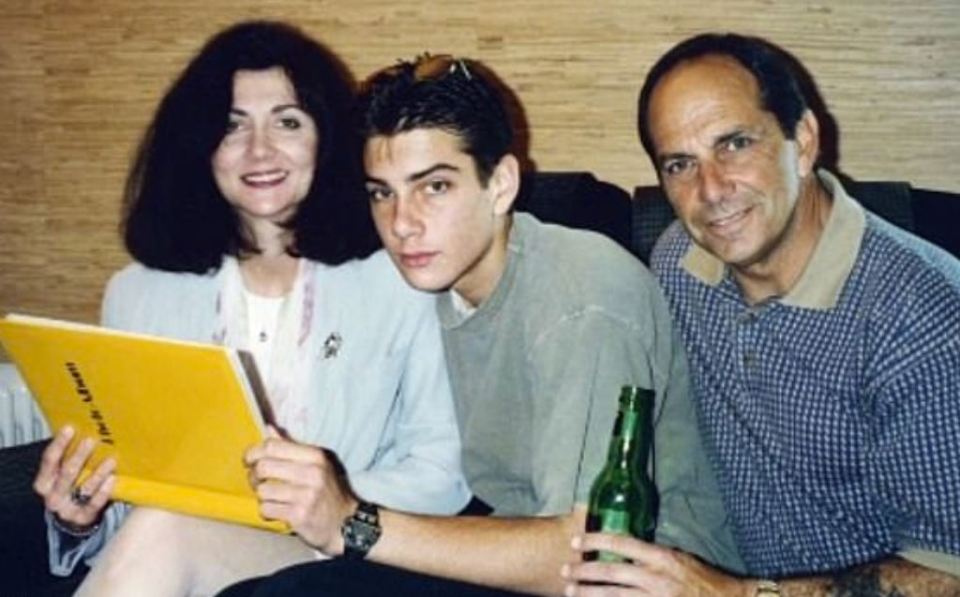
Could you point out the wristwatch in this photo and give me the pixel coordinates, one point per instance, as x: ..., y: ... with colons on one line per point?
x: 360, y: 531
x: 767, y: 588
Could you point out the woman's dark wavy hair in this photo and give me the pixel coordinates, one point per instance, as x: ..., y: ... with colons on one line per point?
x: 175, y: 216
x: 780, y: 79
x: 467, y: 100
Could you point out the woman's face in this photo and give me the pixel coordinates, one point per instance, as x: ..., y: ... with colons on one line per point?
x: 264, y: 164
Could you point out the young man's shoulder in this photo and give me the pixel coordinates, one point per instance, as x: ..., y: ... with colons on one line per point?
x: 581, y: 257
x: 569, y: 274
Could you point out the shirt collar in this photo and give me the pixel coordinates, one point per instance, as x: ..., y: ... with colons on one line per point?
x: 453, y: 309
x: 461, y: 305
x: 822, y: 280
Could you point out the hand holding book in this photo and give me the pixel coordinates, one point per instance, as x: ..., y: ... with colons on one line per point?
x: 303, y: 486
x: 75, y: 501
x: 154, y: 421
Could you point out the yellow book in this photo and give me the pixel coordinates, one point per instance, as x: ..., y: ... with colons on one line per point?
x: 176, y: 415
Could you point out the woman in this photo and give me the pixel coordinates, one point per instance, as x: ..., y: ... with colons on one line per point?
x: 245, y: 215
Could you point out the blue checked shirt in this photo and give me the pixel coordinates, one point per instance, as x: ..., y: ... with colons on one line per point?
x: 832, y: 414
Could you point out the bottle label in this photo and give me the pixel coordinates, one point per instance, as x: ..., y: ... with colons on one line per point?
x: 614, y: 521
x: 609, y: 521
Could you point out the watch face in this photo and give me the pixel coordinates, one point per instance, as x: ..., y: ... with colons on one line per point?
x: 360, y: 535
x: 360, y: 531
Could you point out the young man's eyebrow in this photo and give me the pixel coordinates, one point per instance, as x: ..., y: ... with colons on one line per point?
x: 416, y: 175
x: 442, y: 166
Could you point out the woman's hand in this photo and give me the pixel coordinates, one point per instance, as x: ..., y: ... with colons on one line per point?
x: 77, y: 506
x: 302, y: 486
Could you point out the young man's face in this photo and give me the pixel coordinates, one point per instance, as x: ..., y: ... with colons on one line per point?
x: 442, y: 227
x: 731, y: 175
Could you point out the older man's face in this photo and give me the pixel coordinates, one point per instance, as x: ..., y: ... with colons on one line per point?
x: 730, y: 173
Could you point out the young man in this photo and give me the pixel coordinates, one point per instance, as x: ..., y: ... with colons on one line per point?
x: 542, y: 325
x: 824, y: 343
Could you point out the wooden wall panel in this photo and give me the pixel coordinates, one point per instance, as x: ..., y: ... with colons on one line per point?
x: 79, y: 80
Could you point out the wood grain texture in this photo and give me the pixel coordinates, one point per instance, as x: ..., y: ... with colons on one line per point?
x: 79, y: 81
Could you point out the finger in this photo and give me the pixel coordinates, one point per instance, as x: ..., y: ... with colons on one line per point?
x: 299, y: 488
x: 279, y: 447
x: 75, y: 462
x: 273, y: 432
x: 278, y: 492
x: 294, y: 508
x: 72, y: 466
x: 88, y: 513
x: 93, y: 483
x: 614, y: 573
x: 253, y: 454
x: 624, y: 545
x: 99, y: 499
x: 284, y: 496
x: 258, y: 451
x: 283, y: 449
x: 581, y: 590
x: 295, y: 472
x: 276, y: 511
x: 50, y: 461
x: 603, y: 591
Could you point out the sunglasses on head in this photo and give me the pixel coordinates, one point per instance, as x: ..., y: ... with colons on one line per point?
x: 431, y: 68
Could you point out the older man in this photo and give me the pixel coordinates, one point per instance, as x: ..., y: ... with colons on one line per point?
x: 824, y: 345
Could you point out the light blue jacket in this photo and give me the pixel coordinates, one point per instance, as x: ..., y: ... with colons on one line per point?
x: 382, y: 403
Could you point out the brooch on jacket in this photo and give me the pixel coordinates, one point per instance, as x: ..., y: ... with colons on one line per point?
x: 331, y: 346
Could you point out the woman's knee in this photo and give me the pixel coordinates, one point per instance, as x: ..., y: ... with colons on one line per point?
x: 148, y: 536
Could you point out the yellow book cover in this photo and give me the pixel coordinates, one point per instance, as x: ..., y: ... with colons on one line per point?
x: 176, y: 415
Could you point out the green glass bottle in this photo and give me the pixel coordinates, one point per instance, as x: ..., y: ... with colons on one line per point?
x: 623, y: 499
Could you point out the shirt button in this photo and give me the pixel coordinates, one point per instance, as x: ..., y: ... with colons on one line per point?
x: 749, y: 359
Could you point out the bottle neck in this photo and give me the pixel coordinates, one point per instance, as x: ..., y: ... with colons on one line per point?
x: 632, y: 445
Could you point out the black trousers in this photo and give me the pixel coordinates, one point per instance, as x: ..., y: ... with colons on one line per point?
x: 24, y: 563
x: 349, y: 578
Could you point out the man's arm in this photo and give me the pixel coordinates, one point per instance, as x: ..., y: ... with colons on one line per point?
x: 659, y: 571
x: 299, y: 484
x: 892, y: 577
x: 520, y: 554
